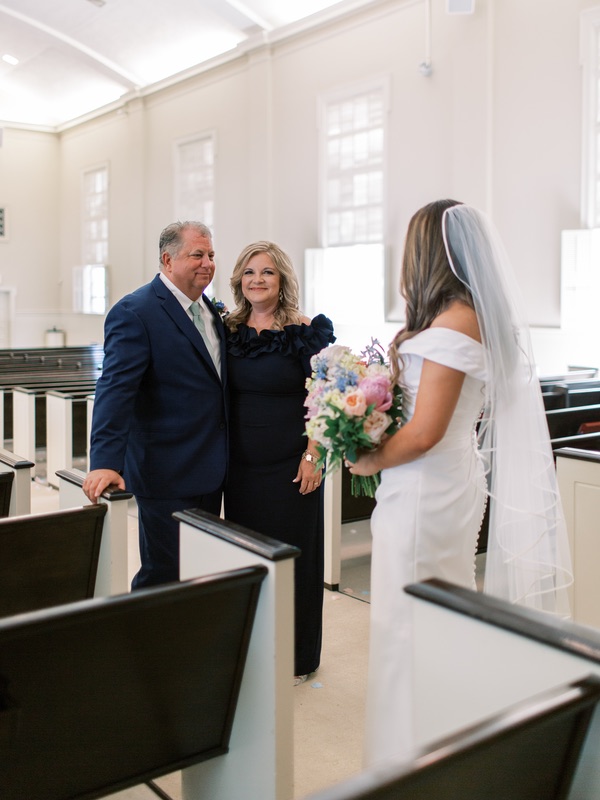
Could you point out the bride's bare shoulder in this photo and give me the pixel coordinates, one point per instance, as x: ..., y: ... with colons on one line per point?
x: 459, y: 317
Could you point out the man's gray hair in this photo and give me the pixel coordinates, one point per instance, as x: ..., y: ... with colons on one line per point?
x: 172, y: 236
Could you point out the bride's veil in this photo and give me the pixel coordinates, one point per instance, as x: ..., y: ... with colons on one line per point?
x: 528, y: 559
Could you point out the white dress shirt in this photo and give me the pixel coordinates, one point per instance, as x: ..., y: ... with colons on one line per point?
x: 207, y: 317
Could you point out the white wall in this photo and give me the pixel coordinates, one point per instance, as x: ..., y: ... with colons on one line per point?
x: 498, y: 125
x: 29, y: 260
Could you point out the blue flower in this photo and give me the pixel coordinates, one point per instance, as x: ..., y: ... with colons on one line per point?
x: 220, y: 307
x: 345, y: 379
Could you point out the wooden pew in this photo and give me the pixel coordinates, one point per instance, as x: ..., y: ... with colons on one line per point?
x: 555, y: 398
x: 67, y: 430
x: 578, y: 475
x: 18, y: 471
x: 260, y: 763
x: 49, y: 559
x: 566, y: 421
x: 475, y: 659
x: 587, y: 441
x: 30, y: 413
x: 585, y: 396
x: 44, y: 369
x: 475, y: 655
x: 104, y: 694
x: 530, y: 750
x: 112, y: 575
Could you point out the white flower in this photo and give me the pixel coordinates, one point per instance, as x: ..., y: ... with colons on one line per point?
x: 376, y: 424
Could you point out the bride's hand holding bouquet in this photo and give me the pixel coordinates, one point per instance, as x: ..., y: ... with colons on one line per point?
x: 352, y: 407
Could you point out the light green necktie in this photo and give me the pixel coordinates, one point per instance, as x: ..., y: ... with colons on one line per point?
x: 199, y: 323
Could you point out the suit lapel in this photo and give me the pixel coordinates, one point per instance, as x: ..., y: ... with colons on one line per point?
x: 220, y: 328
x: 176, y: 312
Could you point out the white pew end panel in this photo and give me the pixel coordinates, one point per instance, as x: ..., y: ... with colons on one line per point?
x: 113, y: 576
x: 22, y: 469
x: 578, y: 474
x: 259, y: 765
x: 474, y: 656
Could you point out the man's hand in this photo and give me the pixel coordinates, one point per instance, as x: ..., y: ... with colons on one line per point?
x: 98, y: 480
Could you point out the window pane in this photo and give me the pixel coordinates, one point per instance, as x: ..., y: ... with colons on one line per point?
x: 353, y: 187
x: 195, y: 168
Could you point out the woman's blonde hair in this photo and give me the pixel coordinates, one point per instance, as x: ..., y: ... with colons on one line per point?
x: 427, y: 283
x: 287, y: 311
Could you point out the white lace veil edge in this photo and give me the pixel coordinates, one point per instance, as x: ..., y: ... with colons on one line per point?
x: 528, y: 558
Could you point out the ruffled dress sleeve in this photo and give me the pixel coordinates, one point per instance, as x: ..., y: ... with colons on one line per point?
x: 301, y: 340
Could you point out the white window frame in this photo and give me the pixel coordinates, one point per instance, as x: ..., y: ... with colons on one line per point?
x: 94, y: 248
x: 3, y: 223
x: 90, y: 281
x: 590, y: 61
x: 379, y: 84
x: 203, y: 190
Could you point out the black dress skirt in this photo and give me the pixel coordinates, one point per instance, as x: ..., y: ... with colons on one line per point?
x: 267, y: 374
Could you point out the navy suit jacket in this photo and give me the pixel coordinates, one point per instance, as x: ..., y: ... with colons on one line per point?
x: 160, y: 412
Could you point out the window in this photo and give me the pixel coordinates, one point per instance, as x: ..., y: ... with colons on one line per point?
x: 95, y: 216
x: 353, y: 153
x: 590, y: 57
x: 195, y: 179
x: 90, y: 289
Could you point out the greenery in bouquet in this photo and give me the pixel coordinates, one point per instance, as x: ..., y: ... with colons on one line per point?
x: 352, y: 405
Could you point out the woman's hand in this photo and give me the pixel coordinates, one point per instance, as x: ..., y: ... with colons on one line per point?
x: 308, y: 477
x: 366, y: 464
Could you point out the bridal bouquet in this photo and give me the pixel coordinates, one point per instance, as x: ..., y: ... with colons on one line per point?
x: 352, y: 404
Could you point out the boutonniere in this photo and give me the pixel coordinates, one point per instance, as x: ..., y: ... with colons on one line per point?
x: 220, y: 307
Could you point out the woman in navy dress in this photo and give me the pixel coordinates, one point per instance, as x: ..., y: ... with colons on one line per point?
x: 273, y: 487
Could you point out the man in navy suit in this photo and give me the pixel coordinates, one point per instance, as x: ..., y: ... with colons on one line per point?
x: 159, y: 426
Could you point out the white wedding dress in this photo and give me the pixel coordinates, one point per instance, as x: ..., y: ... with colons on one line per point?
x: 426, y: 524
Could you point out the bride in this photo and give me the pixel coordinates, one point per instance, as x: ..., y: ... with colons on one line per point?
x: 474, y: 428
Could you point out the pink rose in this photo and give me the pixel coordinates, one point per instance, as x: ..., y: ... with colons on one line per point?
x: 377, y: 390
x: 355, y: 403
x: 375, y: 425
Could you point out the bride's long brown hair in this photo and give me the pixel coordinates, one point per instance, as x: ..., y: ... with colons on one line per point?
x: 427, y: 283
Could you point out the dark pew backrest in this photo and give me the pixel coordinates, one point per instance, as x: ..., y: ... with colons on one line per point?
x: 554, y: 399
x: 19, y: 496
x: 570, y: 383
x: 582, y: 441
x: 529, y: 751
x: 566, y: 421
x: 89, y: 704
x: 46, y: 368
x: 6, y: 484
x: 583, y: 397
x: 49, y: 559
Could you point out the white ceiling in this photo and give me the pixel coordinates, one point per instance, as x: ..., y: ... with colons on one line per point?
x: 75, y: 56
